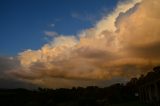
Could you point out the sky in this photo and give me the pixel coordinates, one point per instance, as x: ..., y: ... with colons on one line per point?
x: 66, y: 43
x: 23, y: 22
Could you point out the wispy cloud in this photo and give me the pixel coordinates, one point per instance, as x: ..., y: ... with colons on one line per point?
x: 51, y: 33
x: 52, y: 25
x: 84, y: 17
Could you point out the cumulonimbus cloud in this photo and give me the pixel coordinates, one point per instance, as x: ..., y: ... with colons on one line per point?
x: 122, y: 45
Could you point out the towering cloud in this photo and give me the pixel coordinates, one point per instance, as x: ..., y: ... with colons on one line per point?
x: 122, y: 45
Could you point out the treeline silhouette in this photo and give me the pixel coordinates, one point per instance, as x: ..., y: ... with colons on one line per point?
x: 89, y: 96
x: 76, y: 96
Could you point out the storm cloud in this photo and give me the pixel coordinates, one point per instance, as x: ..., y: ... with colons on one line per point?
x: 122, y: 45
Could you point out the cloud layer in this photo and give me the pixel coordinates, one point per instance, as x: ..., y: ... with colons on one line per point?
x: 121, y: 45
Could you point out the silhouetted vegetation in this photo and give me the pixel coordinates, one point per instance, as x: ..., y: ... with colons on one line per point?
x: 89, y: 96
x: 77, y: 96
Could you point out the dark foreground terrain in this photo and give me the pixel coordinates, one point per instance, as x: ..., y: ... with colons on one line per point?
x: 115, y: 95
x: 130, y: 94
x: 90, y: 96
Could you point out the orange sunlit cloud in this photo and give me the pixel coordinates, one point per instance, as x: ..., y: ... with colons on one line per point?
x: 121, y: 45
